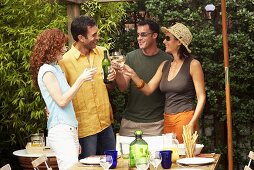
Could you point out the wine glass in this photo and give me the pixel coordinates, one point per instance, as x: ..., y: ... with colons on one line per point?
x: 124, y: 148
x: 106, y: 161
x: 142, y: 163
x: 120, y: 60
x: 155, y: 160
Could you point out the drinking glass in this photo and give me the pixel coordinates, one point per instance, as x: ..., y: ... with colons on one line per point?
x: 155, y: 159
x: 119, y: 59
x: 93, y: 69
x: 37, y: 139
x: 106, y: 161
x: 142, y: 163
x: 166, y: 159
x: 114, y: 154
x: 125, y: 150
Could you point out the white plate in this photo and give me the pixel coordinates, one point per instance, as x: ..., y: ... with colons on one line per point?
x: 195, y: 161
x: 91, y: 160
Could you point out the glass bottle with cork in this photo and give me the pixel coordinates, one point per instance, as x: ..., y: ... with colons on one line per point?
x: 138, y: 149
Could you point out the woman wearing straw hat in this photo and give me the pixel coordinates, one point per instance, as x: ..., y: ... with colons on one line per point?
x: 182, y: 80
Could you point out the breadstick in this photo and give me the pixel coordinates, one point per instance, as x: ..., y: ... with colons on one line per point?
x: 189, y: 141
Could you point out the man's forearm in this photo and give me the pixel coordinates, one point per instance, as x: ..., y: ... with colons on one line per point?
x: 122, y: 81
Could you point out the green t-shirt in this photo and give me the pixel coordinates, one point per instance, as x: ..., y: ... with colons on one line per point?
x: 141, y: 108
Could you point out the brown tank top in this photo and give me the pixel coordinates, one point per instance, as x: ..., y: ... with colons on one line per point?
x: 180, y: 91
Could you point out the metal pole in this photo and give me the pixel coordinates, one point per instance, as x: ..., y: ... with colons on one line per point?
x: 227, y: 86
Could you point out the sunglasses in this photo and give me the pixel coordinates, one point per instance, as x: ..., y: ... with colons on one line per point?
x: 168, y: 38
x: 144, y: 34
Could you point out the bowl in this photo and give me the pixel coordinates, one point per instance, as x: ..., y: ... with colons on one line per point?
x: 198, y: 149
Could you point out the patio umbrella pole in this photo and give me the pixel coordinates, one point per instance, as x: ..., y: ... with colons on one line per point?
x: 227, y: 86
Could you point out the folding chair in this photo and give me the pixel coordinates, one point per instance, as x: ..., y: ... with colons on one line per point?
x: 39, y: 161
x: 251, y: 156
x: 6, y: 167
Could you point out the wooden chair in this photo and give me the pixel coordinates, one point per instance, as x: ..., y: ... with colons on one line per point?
x: 39, y: 161
x: 251, y: 156
x: 6, y: 167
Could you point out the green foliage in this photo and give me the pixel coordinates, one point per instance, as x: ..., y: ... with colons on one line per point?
x: 22, y: 20
x: 108, y: 17
x: 118, y: 101
x: 208, y: 48
x: 21, y: 105
x: 127, y: 41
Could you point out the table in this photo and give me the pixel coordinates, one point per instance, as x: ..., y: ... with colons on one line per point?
x: 122, y: 164
x: 25, y: 159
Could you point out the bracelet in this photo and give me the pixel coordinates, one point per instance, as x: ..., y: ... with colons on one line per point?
x: 141, y: 85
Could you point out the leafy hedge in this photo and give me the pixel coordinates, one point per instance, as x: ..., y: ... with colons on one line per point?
x: 20, y: 22
x: 108, y: 16
x: 21, y: 106
x: 208, y: 48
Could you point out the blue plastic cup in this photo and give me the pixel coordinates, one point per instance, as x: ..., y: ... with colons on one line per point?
x: 113, y: 153
x: 166, y: 159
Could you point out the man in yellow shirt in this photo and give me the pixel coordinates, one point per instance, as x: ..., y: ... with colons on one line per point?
x: 91, y: 104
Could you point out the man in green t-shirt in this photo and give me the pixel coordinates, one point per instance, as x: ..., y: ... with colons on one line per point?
x: 143, y: 112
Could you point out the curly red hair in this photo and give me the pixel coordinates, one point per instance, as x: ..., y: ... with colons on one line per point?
x: 47, y: 48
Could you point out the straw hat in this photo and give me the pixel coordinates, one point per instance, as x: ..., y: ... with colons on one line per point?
x: 181, y: 32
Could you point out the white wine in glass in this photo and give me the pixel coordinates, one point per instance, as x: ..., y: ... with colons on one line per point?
x: 106, y: 161
x: 120, y: 59
x: 142, y: 163
x: 155, y: 160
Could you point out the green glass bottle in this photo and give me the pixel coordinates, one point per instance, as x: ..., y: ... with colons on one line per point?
x: 106, y: 67
x: 138, y: 149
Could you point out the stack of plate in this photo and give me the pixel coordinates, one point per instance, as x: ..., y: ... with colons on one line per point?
x: 91, y: 160
x: 195, y: 161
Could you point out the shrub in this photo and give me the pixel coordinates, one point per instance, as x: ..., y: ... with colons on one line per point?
x: 21, y: 105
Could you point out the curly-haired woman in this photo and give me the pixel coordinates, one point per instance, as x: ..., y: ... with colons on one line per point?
x: 57, y: 94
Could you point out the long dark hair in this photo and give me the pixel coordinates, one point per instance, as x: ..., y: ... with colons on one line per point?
x: 183, y: 52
